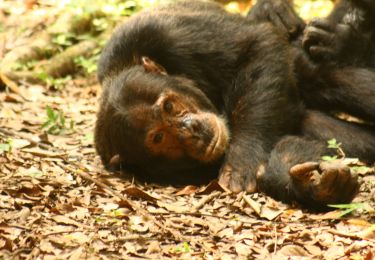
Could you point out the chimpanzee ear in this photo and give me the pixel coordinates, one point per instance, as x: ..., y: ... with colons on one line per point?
x: 151, y: 66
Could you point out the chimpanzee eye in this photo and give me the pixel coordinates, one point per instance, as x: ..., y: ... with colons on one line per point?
x: 158, y: 138
x: 168, y: 106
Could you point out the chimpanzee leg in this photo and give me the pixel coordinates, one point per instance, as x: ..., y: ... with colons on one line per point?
x: 357, y: 140
x: 351, y: 90
x: 295, y: 173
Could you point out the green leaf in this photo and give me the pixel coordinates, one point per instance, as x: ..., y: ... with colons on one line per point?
x: 36, y: 174
x: 186, y: 247
x: 50, y: 113
x: 4, y: 148
x: 333, y: 144
x: 329, y: 158
x: 360, y: 169
x: 89, y: 137
x: 45, y: 124
x: 347, y: 208
x: 71, y: 125
x: 62, y: 118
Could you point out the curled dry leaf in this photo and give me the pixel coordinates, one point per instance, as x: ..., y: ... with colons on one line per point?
x: 137, y: 193
x: 187, y: 190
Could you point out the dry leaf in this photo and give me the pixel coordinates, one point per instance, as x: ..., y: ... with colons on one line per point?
x: 187, y: 190
x: 139, y: 194
x: 212, y: 186
x: 293, y: 250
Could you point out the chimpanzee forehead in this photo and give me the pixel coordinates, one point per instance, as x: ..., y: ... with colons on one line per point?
x: 140, y: 116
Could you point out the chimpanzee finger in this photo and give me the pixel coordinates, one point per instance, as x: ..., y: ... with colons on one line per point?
x: 276, y: 20
x: 323, y: 24
x: 352, y: 187
x: 292, y: 22
x: 318, y: 36
x: 302, y: 171
x: 348, y: 187
x: 321, y: 53
x: 345, y: 187
x: 329, y: 178
x: 237, y: 185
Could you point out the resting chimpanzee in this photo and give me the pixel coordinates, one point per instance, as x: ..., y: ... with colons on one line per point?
x: 189, y: 88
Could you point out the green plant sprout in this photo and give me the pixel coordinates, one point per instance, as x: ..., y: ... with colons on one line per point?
x: 28, y: 65
x: 6, y: 147
x: 56, y: 123
x: 56, y: 83
x: 88, y: 64
x: 64, y: 40
x: 333, y: 144
x: 184, y: 249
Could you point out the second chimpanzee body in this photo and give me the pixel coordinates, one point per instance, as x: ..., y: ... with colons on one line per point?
x: 335, y: 70
x: 189, y: 88
x: 335, y: 63
x: 343, y: 49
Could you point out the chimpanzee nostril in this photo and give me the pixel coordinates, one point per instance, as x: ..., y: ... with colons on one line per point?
x: 191, y: 124
x: 186, y: 122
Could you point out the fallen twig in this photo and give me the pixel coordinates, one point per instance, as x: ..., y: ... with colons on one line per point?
x: 205, y: 200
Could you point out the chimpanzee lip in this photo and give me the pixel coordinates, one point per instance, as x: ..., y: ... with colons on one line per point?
x: 213, y: 150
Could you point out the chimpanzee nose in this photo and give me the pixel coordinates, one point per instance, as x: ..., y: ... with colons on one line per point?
x: 192, y: 124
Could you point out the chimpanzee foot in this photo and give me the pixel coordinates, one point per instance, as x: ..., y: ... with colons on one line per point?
x: 324, y: 183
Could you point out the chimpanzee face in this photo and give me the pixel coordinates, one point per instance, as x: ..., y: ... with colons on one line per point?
x: 149, y: 114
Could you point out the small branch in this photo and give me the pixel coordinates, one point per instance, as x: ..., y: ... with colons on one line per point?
x: 205, y: 200
x: 341, y: 152
x: 29, y: 139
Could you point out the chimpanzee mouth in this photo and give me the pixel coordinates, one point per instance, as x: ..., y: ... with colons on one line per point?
x: 219, y: 141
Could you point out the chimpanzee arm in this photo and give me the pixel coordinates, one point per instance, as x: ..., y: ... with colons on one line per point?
x: 262, y: 106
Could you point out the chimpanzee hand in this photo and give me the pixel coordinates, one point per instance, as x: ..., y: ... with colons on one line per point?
x: 280, y: 13
x: 325, y: 182
x: 239, y: 171
x: 328, y: 42
x: 237, y: 177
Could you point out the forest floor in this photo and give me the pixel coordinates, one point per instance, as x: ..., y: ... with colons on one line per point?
x: 57, y: 201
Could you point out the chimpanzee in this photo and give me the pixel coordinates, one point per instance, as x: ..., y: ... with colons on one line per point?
x: 342, y: 48
x: 189, y: 89
x: 335, y: 71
